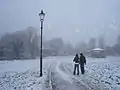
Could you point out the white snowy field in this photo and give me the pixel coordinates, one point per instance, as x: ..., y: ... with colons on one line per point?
x: 101, y: 74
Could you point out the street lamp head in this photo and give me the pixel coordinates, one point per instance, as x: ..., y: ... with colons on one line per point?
x: 42, y: 15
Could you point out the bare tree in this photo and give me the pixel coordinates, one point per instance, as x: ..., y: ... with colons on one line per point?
x: 118, y: 39
x: 81, y: 47
x: 17, y: 48
x: 1, y: 50
x: 57, y: 45
x: 92, y: 43
x: 101, y: 42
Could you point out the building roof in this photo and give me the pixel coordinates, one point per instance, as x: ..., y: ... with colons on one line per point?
x: 97, y: 49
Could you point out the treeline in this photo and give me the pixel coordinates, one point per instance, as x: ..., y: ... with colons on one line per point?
x: 26, y: 45
x: 113, y: 50
x: 20, y: 44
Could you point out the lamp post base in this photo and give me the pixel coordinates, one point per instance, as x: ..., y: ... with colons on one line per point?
x: 41, y: 74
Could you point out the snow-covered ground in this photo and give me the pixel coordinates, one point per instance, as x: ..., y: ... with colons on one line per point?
x: 101, y: 74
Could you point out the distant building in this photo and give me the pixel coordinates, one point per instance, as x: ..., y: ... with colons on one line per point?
x: 97, y: 53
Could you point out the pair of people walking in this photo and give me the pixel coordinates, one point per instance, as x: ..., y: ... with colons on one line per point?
x: 79, y: 62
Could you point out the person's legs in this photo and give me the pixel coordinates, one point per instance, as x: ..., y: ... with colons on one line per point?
x: 77, y: 69
x: 74, y: 69
x: 82, y: 69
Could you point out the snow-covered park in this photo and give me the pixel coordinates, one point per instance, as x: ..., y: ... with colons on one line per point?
x: 101, y: 74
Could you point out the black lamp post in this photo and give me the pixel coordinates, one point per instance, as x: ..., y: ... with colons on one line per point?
x: 42, y: 15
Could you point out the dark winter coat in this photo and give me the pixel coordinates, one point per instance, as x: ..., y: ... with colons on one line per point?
x: 76, y: 59
x: 82, y: 60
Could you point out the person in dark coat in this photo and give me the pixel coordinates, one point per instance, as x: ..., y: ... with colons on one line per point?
x: 76, y: 65
x: 82, y: 63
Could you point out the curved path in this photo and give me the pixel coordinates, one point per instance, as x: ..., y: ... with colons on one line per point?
x: 60, y: 78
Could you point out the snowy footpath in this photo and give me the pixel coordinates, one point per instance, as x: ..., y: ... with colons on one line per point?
x: 101, y: 74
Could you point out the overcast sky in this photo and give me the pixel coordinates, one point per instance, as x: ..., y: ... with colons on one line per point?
x: 73, y: 20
